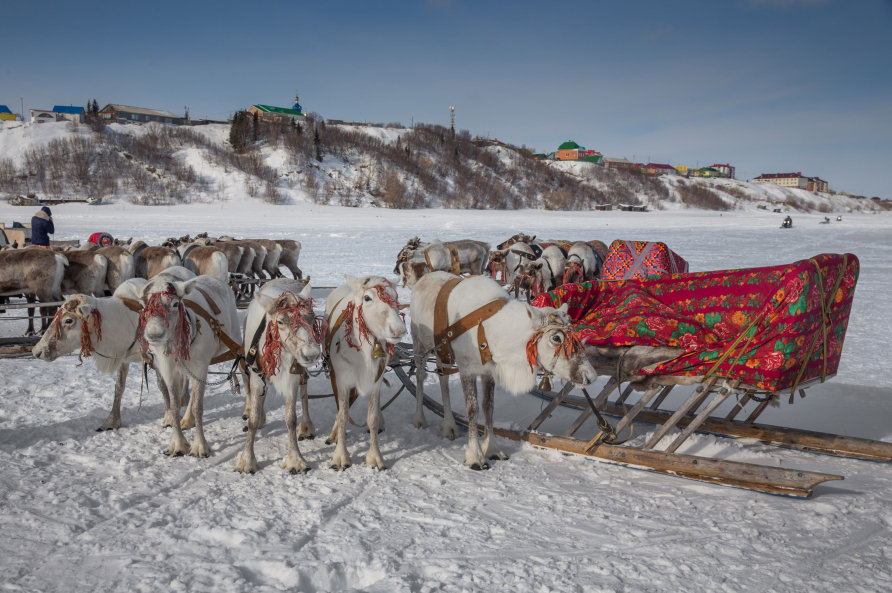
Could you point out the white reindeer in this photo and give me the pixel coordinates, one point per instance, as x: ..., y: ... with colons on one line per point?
x: 183, y: 343
x: 371, y: 316
x: 581, y: 264
x: 290, y: 338
x: 520, y: 339
x: 509, y: 262
x: 104, y: 329
x: 543, y: 274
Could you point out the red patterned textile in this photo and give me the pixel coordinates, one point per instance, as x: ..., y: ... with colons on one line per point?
x: 763, y: 326
x: 638, y: 259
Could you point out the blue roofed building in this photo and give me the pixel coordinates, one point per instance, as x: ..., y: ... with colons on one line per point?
x: 6, y: 114
x: 70, y: 113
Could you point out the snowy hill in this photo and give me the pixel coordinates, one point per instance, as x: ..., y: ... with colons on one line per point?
x: 360, y: 166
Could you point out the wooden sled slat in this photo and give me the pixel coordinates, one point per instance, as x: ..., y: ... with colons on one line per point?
x: 792, y: 438
x: 788, y: 482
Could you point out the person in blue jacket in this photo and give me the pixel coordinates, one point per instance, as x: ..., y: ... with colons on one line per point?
x: 42, y: 227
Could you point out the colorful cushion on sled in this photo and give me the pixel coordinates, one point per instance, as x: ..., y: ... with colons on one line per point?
x: 763, y: 326
x: 638, y: 259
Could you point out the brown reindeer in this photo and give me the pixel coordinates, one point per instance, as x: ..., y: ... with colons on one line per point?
x: 290, y: 254
x: 37, y: 270
x: 121, y: 266
x: 150, y: 261
x: 271, y: 261
x: 205, y: 260
x: 85, y: 274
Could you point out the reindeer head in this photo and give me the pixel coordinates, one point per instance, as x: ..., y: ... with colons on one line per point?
x: 122, y: 243
x: 404, y: 255
x: 531, y: 278
x: 292, y: 326
x: 163, y: 322
x: 377, y: 311
x: 574, y: 270
x: 556, y: 348
x: 412, y: 272
x: 73, y: 328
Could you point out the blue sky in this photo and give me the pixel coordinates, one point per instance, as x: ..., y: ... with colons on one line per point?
x: 767, y: 85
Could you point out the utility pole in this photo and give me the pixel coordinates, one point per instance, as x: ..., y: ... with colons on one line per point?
x: 23, y: 109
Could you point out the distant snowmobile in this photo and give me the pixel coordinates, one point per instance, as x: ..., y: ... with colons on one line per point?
x: 826, y: 221
x: 787, y: 224
x: 839, y: 218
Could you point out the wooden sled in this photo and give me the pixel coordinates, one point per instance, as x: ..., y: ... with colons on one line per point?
x: 788, y: 482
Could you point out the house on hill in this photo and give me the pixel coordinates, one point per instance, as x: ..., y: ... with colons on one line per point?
x: 570, y: 151
x: 270, y: 113
x: 125, y: 113
x: 783, y: 179
x: 725, y: 170
x: 58, y: 113
x: 706, y: 172
x: 6, y: 114
x: 617, y: 163
x: 658, y: 169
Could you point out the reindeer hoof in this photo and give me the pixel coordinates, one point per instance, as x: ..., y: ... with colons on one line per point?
x: 339, y: 468
x: 245, y: 428
x: 328, y: 441
x: 380, y: 430
x: 294, y: 471
x: 477, y: 466
x: 245, y: 416
x: 309, y: 437
x: 498, y: 457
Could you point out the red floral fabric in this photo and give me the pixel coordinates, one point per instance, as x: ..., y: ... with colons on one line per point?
x: 779, y: 309
x: 620, y: 260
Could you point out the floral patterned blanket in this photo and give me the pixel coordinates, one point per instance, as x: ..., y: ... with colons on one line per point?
x: 772, y: 328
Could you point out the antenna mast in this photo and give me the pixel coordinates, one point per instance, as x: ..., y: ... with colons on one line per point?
x: 452, y: 118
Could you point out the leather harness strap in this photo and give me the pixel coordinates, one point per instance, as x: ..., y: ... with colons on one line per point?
x: 329, y: 336
x: 444, y: 334
x: 217, y: 328
x: 210, y: 301
x: 186, y: 253
x: 454, y: 262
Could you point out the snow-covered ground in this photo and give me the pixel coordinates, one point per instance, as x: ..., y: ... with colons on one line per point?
x: 82, y: 510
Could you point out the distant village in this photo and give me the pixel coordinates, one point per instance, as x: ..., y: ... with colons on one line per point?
x: 568, y: 151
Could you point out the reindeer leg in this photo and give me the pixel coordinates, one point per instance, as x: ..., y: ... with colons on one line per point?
x: 340, y: 460
x: 189, y: 418
x: 420, y: 376
x: 170, y: 400
x: 199, y: 444
x: 306, y: 431
x: 490, y: 449
x: 178, y: 444
x: 448, y: 429
x: 473, y: 454
x: 294, y: 461
x: 374, y: 459
x: 114, y: 417
x: 247, y: 462
x: 31, y: 300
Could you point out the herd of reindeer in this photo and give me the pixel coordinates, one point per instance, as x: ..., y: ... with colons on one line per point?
x: 173, y: 307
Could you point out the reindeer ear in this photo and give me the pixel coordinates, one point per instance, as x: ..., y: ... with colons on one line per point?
x: 533, y: 238
x: 306, y: 293
x: 564, y: 308
x: 184, y: 288
x: 354, y: 283
x: 84, y: 310
x: 267, y: 302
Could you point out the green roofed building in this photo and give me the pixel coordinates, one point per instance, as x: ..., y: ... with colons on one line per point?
x: 570, y: 151
x: 569, y: 145
x: 706, y: 172
x: 270, y: 112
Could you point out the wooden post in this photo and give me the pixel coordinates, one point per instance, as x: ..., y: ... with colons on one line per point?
x: 624, y: 395
x: 694, y: 398
x: 659, y: 401
x: 551, y: 407
x: 630, y: 416
x: 720, y: 397
x: 587, y: 412
x: 738, y: 407
x: 759, y: 409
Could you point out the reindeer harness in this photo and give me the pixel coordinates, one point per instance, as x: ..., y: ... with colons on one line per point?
x: 454, y: 263
x: 445, y: 333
